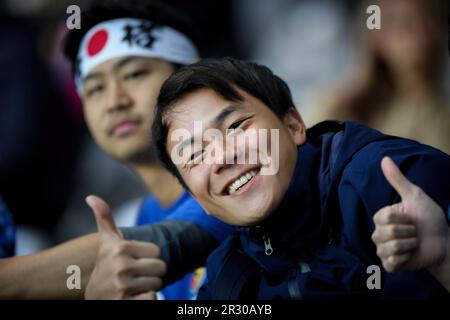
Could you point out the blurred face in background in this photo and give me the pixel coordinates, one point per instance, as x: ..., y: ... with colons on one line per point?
x: 411, y: 35
x: 119, y: 97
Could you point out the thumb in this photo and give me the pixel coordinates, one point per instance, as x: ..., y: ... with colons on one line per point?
x: 103, y: 216
x: 395, y: 178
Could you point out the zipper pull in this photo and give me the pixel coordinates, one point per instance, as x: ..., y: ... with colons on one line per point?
x: 268, y: 246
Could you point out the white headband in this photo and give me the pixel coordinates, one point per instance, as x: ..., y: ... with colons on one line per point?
x: 131, y: 37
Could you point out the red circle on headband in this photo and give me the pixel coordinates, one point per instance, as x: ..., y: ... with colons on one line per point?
x: 97, y: 42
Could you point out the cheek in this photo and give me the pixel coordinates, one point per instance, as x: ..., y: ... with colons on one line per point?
x: 94, y: 124
x: 195, y: 180
x: 146, y: 101
x: 198, y: 184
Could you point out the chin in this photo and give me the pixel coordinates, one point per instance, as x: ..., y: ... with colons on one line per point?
x: 255, y: 217
x: 138, y: 154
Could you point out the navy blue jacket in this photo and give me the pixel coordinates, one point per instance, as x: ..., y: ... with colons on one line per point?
x: 317, y: 244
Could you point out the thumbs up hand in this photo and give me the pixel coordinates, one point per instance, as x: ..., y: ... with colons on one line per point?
x: 412, y: 234
x: 123, y: 269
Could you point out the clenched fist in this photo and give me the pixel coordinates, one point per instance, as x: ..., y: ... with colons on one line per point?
x: 412, y: 234
x: 124, y: 269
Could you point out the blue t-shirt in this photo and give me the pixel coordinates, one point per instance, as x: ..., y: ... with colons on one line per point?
x: 185, y: 209
x: 7, y: 232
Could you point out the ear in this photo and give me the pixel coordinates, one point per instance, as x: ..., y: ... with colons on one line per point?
x: 294, y: 123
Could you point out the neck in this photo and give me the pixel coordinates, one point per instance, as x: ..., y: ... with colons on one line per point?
x: 159, y: 182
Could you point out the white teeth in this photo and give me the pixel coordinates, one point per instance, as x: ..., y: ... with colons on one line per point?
x: 246, y: 177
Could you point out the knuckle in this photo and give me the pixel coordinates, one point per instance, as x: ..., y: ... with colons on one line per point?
x: 387, y: 266
x: 157, y: 283
x: 122, y: 267
x: 156, y: 249
x: 392, y: 231
x: 416, y: 191
x: 375, y: 237
x: 396, y: 246
x: 120, y: 287
x: 393, y: 261
x: 162, y: 267
x: 379, y: 252
x: 390, y: 216
x: 376, y: 217
x: 122, y: 247
x: 128, y: 291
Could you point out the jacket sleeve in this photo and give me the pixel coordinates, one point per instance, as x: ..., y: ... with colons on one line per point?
x: 424, y: 166
x: 184, y: 245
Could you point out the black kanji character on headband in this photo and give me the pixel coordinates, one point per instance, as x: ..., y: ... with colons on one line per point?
x: 140, y: 34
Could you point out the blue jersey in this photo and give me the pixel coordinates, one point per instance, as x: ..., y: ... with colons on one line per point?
x: 7, y: 232
x: 185, y: 209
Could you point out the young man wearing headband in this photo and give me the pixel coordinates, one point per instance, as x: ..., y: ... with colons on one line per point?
x: 119, y: 65
x: 305, y: 200
x: 121, y: 57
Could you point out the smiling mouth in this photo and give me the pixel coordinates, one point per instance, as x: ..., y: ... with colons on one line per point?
x: 241, y: 181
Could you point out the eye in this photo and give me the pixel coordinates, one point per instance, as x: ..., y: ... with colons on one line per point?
x: 135, y: 74
x: 95, y: 90
x: 236, y: 124
x: 195, y: 156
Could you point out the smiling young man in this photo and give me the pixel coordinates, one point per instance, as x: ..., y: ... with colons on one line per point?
x: 306, y: 228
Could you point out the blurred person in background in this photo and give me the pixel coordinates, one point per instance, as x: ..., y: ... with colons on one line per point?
x: 397, y: 83
x: 39, y: 141
x: 69, y: 161
x: 120, y: 58
x: 306, y: 42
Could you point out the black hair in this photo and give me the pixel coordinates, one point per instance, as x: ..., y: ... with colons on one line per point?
x: 222, y: 75
x: 104, y: 10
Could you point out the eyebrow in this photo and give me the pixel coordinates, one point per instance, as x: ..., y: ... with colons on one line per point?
x: 121, y: 63
x: 224, y: 114
x: 217, y: 121
x: 118, y: 65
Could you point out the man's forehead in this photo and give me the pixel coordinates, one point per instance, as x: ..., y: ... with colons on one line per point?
x: 115, y: 64
x: 203, y: 105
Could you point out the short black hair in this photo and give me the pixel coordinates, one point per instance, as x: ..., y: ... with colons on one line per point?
x: 104, y: 10
x: 222, y: 75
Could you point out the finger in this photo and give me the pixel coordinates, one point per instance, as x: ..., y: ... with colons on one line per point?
x: 396, y: 262
x: 141, y: 285
x: 397, y: 247
x: 395, y: 178
x: 394, y: 232
x: 103, y: 216
x: 140, y: 249
x: 144, y: 296
x: 149, y: 267
x: 391, y: 215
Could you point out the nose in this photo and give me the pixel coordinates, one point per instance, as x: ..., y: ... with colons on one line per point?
x: 118, y: 97
x: 225, y: 155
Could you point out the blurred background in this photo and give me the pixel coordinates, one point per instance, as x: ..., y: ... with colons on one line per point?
x: 395, y: 79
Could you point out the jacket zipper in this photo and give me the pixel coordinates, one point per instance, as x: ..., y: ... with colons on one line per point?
x: 267, y: 245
